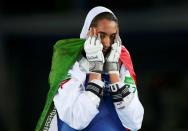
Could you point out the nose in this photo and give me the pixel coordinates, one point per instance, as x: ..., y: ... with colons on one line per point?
x: 106, y: 42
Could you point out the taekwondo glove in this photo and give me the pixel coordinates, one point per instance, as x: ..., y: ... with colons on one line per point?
x: 93, y: 48
x: 121, y: 94
x: 111, y: 59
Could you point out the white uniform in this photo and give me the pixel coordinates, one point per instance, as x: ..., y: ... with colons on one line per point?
x: 77, y: 107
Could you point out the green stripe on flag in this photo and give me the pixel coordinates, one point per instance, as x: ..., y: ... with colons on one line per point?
x: 65, y: 54
x: 129, y: 80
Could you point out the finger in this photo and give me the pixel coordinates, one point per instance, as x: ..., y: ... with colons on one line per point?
x: 119, y: 40
x: 89, y: 40
x: 116, y: 39
x: 117, y: 33
x: 95, y: 32
x: 98, y: 40
x: 89, y: 36
x: 93, y: 40
x: 90, y: 31
x: 99, y: 36
x: 94, y: 36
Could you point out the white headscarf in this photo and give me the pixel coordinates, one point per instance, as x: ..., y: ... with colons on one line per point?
x: 90, y: 16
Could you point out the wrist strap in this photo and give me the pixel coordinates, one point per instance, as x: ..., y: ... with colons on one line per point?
x: 111, y: 66
x: 96, y: 87
x: 119, y: 93
x: 96, y: 66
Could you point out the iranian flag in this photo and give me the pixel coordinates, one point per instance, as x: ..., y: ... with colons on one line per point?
x: 65, y: 54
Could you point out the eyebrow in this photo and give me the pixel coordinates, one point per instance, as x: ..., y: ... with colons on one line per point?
x: 106, y: 33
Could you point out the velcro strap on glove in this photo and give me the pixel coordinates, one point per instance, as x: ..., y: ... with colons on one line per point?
x: 118, y: 91
x: 96, y: 66
x: 96, y: 87
x: 111, y: 66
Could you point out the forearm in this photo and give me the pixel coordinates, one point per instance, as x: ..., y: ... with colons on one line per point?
x: 92, y: 94
x: 94, y: 76
x: 74, y: 106
x: 131, y: 115
x: 114, y: 76
x: 119, y: 90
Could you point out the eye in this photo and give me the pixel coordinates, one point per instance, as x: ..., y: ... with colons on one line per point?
x: 112, y: 37
x: 102, y: 35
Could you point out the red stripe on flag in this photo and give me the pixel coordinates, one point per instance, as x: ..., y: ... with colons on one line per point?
x: 126, y: 60
x: 63, y: 82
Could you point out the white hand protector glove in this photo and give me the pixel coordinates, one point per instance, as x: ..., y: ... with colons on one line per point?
x: 112, y: 58
x: 93, y: 48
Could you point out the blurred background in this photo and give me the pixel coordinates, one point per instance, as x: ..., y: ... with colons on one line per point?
x: 154, y: 31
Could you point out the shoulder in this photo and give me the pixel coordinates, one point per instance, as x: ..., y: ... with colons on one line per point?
x: 124, y: 51
x: 125, y: 58
x: 125, y: 55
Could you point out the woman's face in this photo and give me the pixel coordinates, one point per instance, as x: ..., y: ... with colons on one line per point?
x: 107, y: 30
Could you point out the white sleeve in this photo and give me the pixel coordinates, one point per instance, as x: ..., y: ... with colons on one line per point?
x: 75, y: 106
x: 131, y: 115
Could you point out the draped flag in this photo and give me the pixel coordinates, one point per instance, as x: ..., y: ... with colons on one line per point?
x: 65, y: 54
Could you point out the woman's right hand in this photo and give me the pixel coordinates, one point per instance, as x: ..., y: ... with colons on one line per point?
x: 93, y: 49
